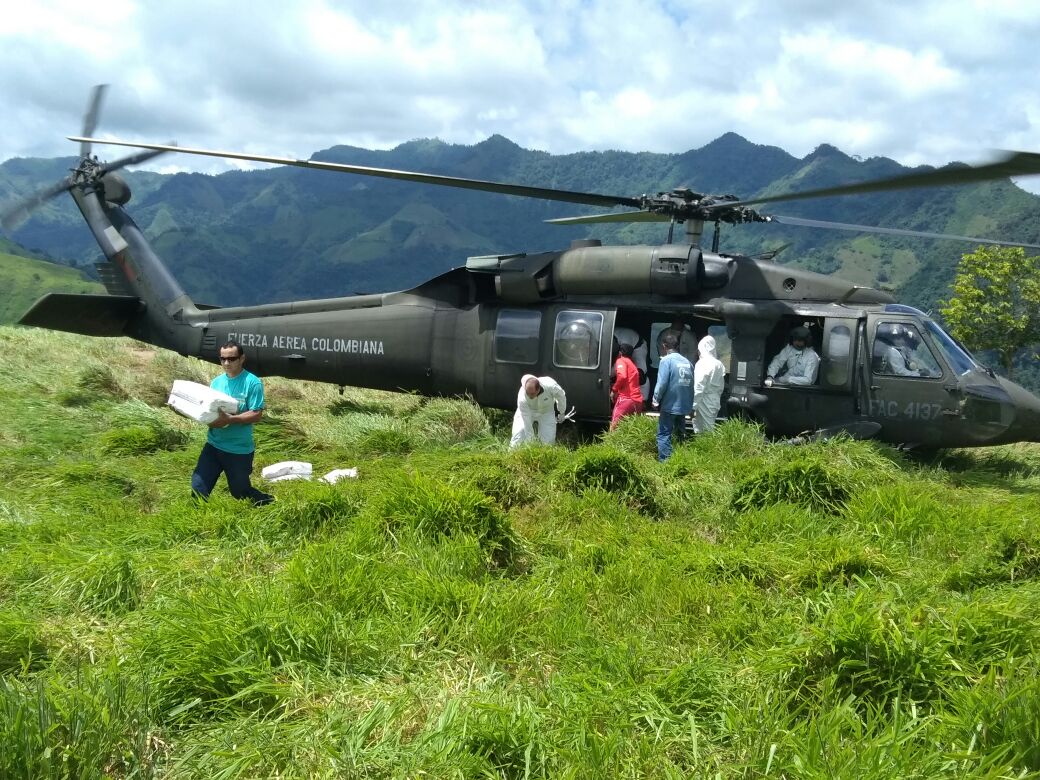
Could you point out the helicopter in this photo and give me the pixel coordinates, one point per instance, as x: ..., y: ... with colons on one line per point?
x: 477, y: 329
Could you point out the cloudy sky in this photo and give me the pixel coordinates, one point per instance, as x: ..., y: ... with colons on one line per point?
x: 921, y: 81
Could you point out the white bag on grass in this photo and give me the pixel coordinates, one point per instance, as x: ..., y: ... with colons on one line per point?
x: 287, y: 468
x: 336, y: 475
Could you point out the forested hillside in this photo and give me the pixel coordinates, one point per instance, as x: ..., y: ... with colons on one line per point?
x: 278, y: 234
x: 24, y: 279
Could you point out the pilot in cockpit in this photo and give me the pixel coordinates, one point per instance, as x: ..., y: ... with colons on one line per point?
x: 896, y: 352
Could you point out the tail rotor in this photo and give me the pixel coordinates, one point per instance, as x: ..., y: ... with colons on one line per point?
x: 89, y: 170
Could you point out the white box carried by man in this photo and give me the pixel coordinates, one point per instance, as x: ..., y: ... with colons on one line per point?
x: 199, y: 402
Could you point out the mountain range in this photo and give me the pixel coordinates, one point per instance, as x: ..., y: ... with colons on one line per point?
x: 283, y: 233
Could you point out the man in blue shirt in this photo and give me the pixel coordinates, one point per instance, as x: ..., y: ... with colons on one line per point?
x: 229, y: 446
x: 673, y: 395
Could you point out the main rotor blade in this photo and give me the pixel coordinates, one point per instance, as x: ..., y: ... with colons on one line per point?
x: 622, y: 216
x: 816, y: 223
x: 90, y: 119
x: 11, y: 217
x: 543, y: 193
x: 132, y: 159
x: 1011, y: 164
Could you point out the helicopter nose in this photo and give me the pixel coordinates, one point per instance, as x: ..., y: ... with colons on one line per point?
x: 1026, y: 426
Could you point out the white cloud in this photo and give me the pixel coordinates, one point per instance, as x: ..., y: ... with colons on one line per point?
x: 926, y: 81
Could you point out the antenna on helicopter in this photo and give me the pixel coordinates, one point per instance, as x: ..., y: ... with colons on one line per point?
x: 771, y: 254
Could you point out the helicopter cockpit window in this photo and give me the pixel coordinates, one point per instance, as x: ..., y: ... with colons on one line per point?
x: 516, y: 336
x: 900, y: 351
x: 577, y: 340
x: 960, y: 361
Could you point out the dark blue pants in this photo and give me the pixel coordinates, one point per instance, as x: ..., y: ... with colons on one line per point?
x: 213, y: 462
x: 669, y: 425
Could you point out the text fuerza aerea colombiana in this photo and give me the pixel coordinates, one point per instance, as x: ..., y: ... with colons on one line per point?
x: 304, y: 344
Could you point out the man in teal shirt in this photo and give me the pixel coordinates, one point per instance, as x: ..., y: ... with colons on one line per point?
x: 229, y: 446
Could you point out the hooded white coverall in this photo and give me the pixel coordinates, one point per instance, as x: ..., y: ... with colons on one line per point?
x: 541, y: 409
x: 709, y: 377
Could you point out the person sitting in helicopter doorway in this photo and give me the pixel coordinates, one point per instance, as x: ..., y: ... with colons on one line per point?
x: 895, y: 351
x: 229, y: 447
x: 625, y: 395
x: 687, y: 339
x: 673, y: 396
x: 797, y: 363
x: 542, y: 402
x: 709, y: 378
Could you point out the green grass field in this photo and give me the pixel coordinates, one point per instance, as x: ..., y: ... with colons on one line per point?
x: 23, y: 280
x: 747, y: 609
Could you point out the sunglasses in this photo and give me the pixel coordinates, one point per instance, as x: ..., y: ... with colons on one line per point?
x: 229, y: 359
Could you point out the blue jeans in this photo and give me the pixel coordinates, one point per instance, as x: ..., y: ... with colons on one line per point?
x: 669, y: 425
x: 213, y: 462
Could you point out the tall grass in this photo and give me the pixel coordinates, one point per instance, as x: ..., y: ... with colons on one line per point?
x: 83, y: 722
x: 22, y: 645
x: 745, y: 609
x: 431, y: 509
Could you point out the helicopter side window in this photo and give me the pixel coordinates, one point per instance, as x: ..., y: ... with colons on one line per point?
x: 577, y: 340
x: 516, y: 336
x: 900, y: 351
x: 836, y: 353
x: 723, y: 344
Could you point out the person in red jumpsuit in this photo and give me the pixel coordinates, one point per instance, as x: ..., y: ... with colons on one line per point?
x: 624, y: 393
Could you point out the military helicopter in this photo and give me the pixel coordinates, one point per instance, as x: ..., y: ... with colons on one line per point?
x: 478, y: 328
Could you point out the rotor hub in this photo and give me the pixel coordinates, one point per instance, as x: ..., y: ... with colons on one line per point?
x: 88, y: 170
x: 682, y: 205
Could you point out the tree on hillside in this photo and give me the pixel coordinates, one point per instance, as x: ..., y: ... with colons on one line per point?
x: 996, y: 301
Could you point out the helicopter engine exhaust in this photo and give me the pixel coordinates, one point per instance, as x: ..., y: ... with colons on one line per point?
x: 670, y: 269
x: 673, y: 270
x: 116, y: 189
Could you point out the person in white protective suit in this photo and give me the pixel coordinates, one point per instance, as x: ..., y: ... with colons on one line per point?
x: 795, y: 364
x: 640, y: 352
x: 540, y: 400
x: 709, y: 377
